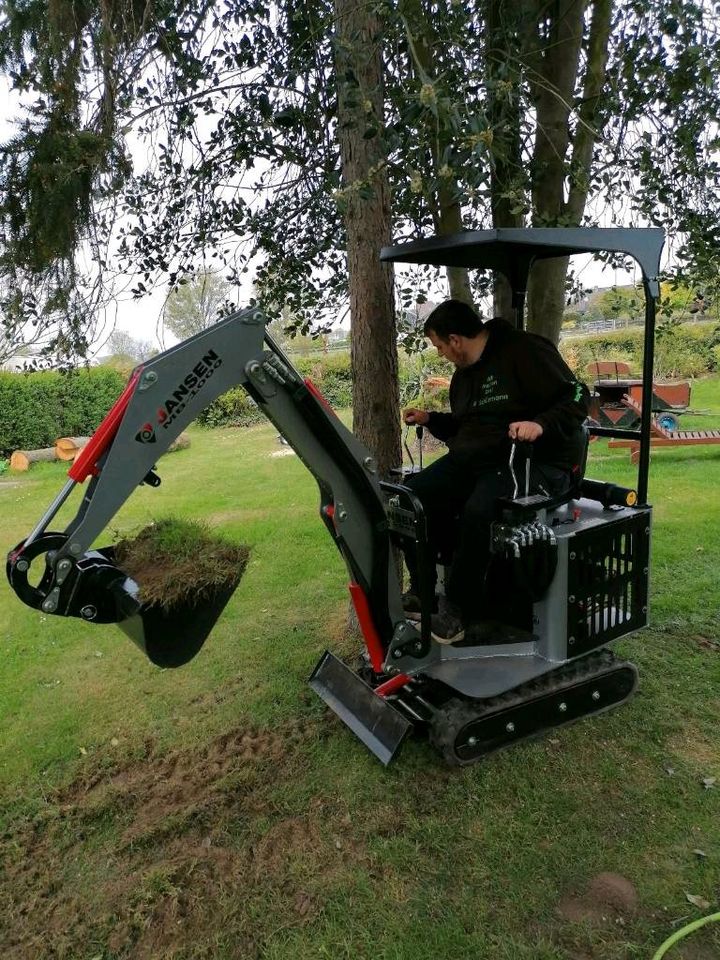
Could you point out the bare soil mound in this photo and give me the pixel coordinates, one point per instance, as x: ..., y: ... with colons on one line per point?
x: 609, y: 896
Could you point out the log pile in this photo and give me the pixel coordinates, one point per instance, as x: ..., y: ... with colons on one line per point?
x: 22, y: 459
x: 68, y: 448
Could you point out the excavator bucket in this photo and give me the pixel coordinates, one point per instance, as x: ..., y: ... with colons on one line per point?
x: 172, y: 636
x: 169, y: 634
x: 370, y: 717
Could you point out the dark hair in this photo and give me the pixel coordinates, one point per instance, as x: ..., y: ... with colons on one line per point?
x: 453, y: 316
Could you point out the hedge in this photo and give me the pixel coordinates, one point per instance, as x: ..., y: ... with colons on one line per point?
x: 690, y: 350
x: 37, y: 408
x: 686, y: 351
x: 330, y: 373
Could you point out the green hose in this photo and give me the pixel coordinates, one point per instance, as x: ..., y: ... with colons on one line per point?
x: 680, y: 934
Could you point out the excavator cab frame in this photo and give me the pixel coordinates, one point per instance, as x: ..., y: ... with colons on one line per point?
x: 470, y: 700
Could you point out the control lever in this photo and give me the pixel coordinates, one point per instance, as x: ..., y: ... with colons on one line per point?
x: 527, y: 474
x: 511, y: 463
x: 419, y: 431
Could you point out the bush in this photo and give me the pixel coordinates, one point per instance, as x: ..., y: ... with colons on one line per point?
x: 413, y: 375
x: 680, y: 351
x: 233, y: 409
x: 330, y: 374
x: 37, y: 408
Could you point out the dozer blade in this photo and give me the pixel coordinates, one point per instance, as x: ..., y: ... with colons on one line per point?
x: 371, y: 718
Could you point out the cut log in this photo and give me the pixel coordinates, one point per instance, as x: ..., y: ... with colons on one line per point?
x: 181, y: 443
x: 67, y: 448
x: 21, y: 459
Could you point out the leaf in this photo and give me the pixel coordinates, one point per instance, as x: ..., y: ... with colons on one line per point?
x: 700, y: 902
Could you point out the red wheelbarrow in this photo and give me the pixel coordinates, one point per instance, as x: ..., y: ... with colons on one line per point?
x: 612, y: 386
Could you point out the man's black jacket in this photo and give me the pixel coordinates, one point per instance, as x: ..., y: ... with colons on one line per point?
x: 520, y: 376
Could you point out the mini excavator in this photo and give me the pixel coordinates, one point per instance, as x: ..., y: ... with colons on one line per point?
x: 580, y: 563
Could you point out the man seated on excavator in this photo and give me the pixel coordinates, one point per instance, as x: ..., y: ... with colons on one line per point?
x: 508, y: 386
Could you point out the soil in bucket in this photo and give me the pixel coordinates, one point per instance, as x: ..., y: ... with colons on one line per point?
x: 185, y: 575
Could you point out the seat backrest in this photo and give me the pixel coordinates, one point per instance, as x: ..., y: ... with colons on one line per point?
x: 578, y: 470
x: 578, y: 475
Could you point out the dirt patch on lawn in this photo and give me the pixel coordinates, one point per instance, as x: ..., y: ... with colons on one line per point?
x: 608, y: 897
x: 695, y: 750
x: 149, y: 857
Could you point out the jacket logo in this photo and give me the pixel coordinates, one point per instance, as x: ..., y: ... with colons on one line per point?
x: 146, y: 434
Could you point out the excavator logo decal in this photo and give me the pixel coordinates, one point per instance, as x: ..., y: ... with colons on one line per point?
x: 188, y: 387
x: 146, y: 434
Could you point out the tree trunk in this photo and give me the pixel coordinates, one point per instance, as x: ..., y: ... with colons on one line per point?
x: 555, y: 63
x: 507, y: 177
x: 444, y: 204
x: 22, y: 459
x: 546, y: 40
x: 546, y: 297
x: 366, y: 197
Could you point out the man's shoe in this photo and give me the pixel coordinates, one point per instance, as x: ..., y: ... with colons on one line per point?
x: 411, y: 605
x: 446, y: 627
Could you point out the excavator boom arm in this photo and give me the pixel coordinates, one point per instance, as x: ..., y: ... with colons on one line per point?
x: 161, y: 399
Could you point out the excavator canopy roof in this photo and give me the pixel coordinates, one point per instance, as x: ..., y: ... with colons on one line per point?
x: 513, y: 250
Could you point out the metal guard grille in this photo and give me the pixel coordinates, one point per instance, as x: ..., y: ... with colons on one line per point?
x: 608, y: 582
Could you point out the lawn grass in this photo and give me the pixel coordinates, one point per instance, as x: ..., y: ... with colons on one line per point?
x: 219, y: 811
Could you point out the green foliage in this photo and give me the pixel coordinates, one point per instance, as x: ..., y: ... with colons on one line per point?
x: 4, y: 464
x: 37, y: 408
x: 467, y: 87
x: 233, y: 409
x: 330, y: 374
x: 627, y: 302
x: 197, y: 304
x: 680, y: 350
x: 413, y: 375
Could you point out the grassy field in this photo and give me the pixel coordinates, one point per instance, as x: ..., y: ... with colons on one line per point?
x: 219, y: 811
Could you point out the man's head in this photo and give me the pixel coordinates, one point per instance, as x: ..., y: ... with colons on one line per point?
x: 457, y: 332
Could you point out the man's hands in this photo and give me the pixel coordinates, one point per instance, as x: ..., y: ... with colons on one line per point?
x: 525, y: 430
x: 520, y: 430
x: 415, y: 416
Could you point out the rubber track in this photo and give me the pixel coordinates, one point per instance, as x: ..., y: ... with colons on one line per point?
x: 455, y: 714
